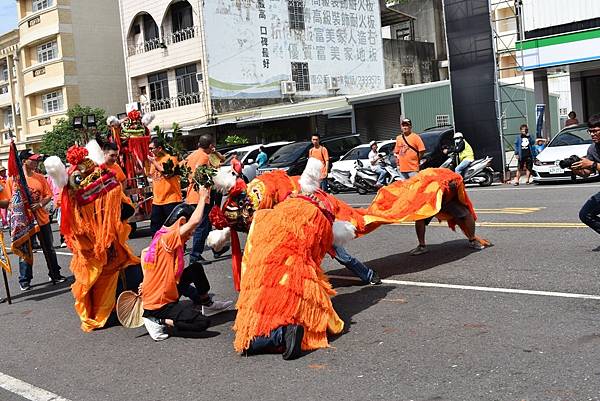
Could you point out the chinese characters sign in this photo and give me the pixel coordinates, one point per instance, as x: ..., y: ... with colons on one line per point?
x: 251, y: 46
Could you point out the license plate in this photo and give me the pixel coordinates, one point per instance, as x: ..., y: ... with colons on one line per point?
x: 555, y: 170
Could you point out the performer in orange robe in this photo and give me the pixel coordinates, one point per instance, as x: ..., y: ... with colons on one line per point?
x: 91, y: 223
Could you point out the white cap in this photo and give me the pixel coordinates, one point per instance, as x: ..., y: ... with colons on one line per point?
x: 458, y: 135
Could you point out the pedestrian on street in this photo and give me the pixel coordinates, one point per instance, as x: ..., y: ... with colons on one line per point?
x: 572, y: 120
x: 40, y: 197
x: 589, y: 165
x: 165, y: 277
x: 202, y: 157
x: 525, y: 154
x: 262, y: 157
x: 166, y: 190
x: 408, y: 150
x: 375, y: 164
x: 320, y: 153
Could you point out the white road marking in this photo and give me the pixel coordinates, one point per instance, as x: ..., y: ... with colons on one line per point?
x: 27, y: 390
x: 477, y: 288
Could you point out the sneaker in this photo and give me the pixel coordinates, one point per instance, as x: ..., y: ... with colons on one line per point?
x: 221, y: 252
x: 156, y: 330
x: 375, y: 280
x: 476, y: 245
x: 216, y: 307
x: 292, y: 338
x: 25, y: 287
x: 420, y: 250
x: 63, y: 245
x: 58, y: 279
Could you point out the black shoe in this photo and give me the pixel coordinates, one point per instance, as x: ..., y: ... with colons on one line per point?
x: 221, y: 252
x: 292, y: 338
x: 57, y: 279
x: 375, y: 280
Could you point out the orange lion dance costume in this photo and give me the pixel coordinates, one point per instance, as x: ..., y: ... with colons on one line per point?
x: 91, y: 223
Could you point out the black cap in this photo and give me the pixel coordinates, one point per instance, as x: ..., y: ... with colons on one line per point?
x: 181, y: 210
x: 27, y: 154
x: 406, y: 121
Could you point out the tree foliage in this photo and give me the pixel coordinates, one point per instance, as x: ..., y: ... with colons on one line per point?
x: 236, y: 140
x: 63, y: 135
x: 172, y: 140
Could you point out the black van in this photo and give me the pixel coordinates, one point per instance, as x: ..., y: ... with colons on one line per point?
x: 292, y: 158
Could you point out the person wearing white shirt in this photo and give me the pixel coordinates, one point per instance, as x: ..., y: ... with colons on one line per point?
x: 375, y: 163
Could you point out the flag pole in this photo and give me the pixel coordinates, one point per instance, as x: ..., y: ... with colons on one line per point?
x: 6, y: 287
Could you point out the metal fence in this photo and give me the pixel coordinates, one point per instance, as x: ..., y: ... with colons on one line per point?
x: 172, y: 102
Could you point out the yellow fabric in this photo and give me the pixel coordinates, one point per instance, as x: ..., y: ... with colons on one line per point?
x: 100, y: 251
x: 282, y: 280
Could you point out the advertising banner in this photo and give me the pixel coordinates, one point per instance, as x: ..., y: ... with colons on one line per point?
x: 251, y: 46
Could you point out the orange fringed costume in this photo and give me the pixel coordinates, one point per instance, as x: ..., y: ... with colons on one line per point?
x: 94, y: 231
x: 282, y: 280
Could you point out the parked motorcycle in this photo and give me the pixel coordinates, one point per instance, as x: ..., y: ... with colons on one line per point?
x: 365, y: 179
x: 340, y: 180
x: 478, y: 172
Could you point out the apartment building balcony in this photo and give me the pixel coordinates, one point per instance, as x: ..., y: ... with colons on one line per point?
x: 42, y: 24
x: 160, y: 53
x: 46, y: 76
x: 183, y: 108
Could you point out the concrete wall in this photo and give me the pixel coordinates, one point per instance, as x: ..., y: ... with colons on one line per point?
x: 408, y: 62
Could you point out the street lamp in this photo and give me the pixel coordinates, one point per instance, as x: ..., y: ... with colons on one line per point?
x: 90, y: 120
x: 77, y: 122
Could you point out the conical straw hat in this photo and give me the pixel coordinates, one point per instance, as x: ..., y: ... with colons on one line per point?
x: 130, y: 309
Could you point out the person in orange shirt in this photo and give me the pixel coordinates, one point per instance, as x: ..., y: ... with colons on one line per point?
x: 320, y: 153
x: 111, y: 155
x: 165, y: 278
x: 40, y: 197
x: 201, y: 157
x: 409, y: 150
x: 166, y: 190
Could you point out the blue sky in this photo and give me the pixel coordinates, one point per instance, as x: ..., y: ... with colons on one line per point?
x: 8, y: 15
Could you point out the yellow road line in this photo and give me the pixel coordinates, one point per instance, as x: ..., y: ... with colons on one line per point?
x: 509, y: 210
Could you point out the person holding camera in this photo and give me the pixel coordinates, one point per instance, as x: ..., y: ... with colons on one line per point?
x: 375, y: 161
x: 589, y: 165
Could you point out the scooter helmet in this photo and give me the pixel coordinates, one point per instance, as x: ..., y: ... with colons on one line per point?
x: 181, y: 210
x: 458, y: 135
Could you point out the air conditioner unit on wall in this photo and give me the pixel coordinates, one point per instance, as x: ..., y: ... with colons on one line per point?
x: 333, y: 83
x: 288, y: 87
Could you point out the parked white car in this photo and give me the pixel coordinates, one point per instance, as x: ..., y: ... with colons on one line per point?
x: 573, y: 140
x: 247, y: 155
x: 361, y: 152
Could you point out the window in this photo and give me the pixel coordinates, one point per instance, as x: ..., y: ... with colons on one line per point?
x: 3, y: 89
x: 159, y: 91
x: 8, y: 118
x: 47, y: 51
x: 41, y: 4
x: 4, y: 75
x: 442, y: 119
x: 187, y: 85
x: 52, y: 102
x: 296, y: 12
x: 404, y: 31
x: 300, y: 76
x: 150, y: 28
x: 181, y: 16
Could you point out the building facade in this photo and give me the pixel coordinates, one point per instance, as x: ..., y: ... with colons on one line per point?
x: 10, y: 90
x: 193, y: 62
x: 69, y: 52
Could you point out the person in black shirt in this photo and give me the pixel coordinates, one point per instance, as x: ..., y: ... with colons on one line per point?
x: 589, y: 165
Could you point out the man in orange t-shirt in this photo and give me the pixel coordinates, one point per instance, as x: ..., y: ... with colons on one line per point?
x: 409, y: 150
x: 320, y: 152
x: 165, y: 278
x: 166, y: 190
x: 201, y: 157
x: 111, y: 155
x: 41, y: 195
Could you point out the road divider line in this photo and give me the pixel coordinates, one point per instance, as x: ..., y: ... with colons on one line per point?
x: 27, y: 390
x: 478, y: 288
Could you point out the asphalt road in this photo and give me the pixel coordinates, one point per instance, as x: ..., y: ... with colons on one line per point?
x: 476, y: 339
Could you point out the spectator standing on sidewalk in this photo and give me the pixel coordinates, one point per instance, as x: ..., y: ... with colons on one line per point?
x: 320, y: 153
x: 525, y: 153
x: 408, y: 150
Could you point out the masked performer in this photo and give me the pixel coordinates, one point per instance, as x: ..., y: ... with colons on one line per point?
x: 94, y: 229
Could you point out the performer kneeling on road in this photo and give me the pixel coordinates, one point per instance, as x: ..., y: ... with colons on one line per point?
x: 589, y: 165
x: 165, y: 278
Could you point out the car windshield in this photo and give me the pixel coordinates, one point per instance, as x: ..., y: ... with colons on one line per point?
x: 289, y: 153
x: 230, y: 156
x: 577, y: 136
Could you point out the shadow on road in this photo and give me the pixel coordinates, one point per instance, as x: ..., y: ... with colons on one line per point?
x: 403, y: 263
x: 349, y: 304
x: 43, y: 291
